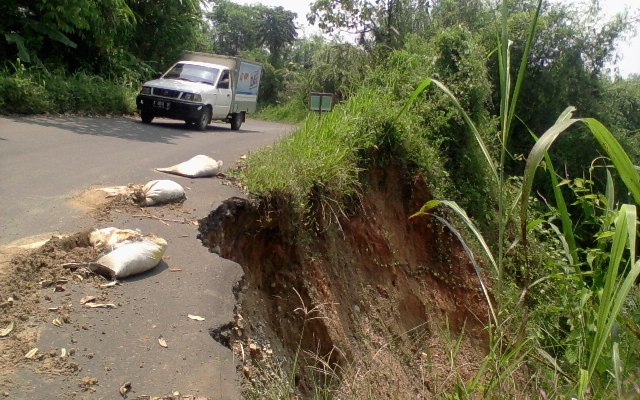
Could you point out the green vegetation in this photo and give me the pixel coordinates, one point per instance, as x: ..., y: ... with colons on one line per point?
x: 563, y: 273
x: 477, y: 105
x: 34, y: 91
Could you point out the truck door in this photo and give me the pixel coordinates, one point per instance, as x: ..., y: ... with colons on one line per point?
x: 223, y: 101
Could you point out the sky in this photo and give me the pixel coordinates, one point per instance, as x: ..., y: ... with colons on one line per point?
x: 628, y: 50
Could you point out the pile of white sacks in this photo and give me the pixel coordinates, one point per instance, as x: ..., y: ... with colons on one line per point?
x: 127, y: 252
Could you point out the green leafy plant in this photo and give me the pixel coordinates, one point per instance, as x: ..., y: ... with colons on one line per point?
x: 506, y: 355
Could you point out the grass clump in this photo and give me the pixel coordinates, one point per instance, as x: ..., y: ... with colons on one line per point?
x: 321, y: 154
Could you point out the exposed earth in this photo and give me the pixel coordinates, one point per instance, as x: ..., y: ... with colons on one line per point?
x: 371, y: 306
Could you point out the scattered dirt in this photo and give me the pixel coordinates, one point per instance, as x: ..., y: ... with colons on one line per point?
x: 371, y: 308
x: 102, y: 203
x: 27, y: 290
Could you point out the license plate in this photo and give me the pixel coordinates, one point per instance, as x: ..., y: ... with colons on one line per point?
x: 162, y: 104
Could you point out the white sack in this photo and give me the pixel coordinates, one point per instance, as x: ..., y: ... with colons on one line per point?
x: 161, y: 192
x: 134, y: 258
x: 110, y: 238
x: 198, y: 167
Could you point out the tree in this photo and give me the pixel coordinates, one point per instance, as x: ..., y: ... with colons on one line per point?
x: 233, y: 27
x: 36, y: 28
x: 277, y: 29
x: 238, y: 28
x: 381, y: 21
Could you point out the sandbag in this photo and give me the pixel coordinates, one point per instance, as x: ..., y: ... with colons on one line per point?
x: 134, y: 258
x: 199, y: 166
x: 111, y: 238
x: 159, y: 192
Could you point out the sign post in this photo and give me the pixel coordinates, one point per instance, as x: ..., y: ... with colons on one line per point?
x: 320, y: 102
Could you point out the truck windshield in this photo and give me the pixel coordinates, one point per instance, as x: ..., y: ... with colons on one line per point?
x: 192, y: 73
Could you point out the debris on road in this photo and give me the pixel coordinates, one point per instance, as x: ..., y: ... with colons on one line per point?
x: 110, y: 238
x: 195, y: 317
x: 158, y: 192
x: 87, y: 299
x: 200, y: 166
x: 134, y: 258
x: 100, y: 305
x: 162, y: 342
x: 6, y: 331
x: 124, y: 388
x: 31, y: 353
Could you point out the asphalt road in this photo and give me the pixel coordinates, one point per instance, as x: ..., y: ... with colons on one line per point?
x: 44, y: 163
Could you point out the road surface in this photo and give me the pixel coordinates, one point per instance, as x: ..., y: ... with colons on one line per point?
x: 45, y: 162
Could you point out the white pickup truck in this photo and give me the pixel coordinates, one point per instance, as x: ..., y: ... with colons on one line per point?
x: 202, y: 87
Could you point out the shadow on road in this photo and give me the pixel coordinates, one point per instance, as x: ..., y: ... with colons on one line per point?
x: 162, y: 131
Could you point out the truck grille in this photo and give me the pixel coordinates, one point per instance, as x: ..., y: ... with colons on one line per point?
x: 166, y: 93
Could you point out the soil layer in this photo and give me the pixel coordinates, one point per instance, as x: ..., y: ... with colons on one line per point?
x: 369, y: 307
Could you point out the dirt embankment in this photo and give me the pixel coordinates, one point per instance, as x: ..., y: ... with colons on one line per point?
x: 370, y: 310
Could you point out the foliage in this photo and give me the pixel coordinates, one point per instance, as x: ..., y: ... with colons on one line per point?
x: 238, y: 28
x: 383, y: 22
x: 603, y: 279
x: 32, y: 91
x: 110, y: 38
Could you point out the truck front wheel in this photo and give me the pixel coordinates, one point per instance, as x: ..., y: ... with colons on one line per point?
x: 236, y: 121
x: 146, y: 117
x: 204, y: 120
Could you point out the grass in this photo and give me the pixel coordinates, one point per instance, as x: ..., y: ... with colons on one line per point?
x: 292, y: 112
x: 325, y: 155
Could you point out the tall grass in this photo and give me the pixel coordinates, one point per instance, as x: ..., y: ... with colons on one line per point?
x: 604, y: 301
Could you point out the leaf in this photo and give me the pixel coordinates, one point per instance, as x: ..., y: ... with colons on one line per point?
x: 31, y: 353
x: 58, y: 322
x: 618, y: 156
x: 465, y: 218
x: 195, y: 317
x: 18, y: 40
x: 87, y: 299
x: 162, y: 342
x: 6, y: 331
x: 100, y: 305
x: 63, y: 352
x: 53, y: 34
x: 110, y: 284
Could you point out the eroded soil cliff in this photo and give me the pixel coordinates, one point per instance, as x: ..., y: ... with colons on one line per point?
x: 371, y: 307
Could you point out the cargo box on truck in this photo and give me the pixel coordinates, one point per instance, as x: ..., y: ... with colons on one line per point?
x: 202, y: 87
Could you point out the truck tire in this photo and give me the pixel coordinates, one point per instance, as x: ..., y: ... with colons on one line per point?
x: 204, y: 120
x: 146, y: 117
x: 236, y: 121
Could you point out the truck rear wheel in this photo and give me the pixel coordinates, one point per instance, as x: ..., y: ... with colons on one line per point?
x: 236, y: 121
x: 146, y: 117
x: 204, y: 120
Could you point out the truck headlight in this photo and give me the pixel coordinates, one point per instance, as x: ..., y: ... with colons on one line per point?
x: 191, y: 97
x: 145, y: 90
